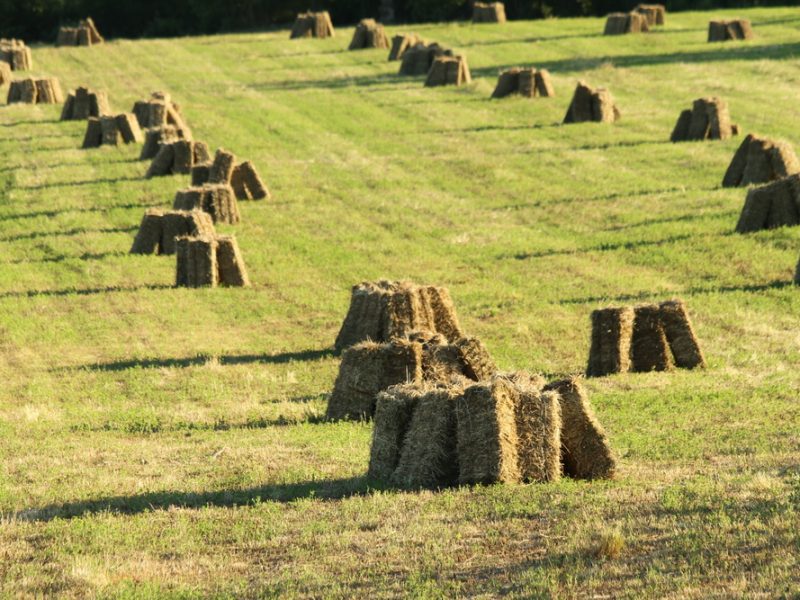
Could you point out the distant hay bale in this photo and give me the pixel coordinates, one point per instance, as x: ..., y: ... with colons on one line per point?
x: 708, y: 119
x: 488, y: 12
x: 680, y: 335
x: 112, y: 130
x: 612, y: 329
x: 393, y: 410
x: 369, y: 368
x: 590, y: 104
x: 154, y: 137
x: 527, y: 82
x: 724, y: 30
x: 209, y: 260
x: 85, y: 34
x: 159, y: 110
x: 159, y: 229
x: 222, y: 167
x: 35, y: 91
x: 369, y: 34
x: 312, y: 24
x: 586, y: 452
x: 200, y: 174
x: 84, y: 103
x: 418, y: 59
x: 448, y: 70
x: 246, y: 182
x: 772, y: 205
x: 217, y: 199
x: 16, y: 55
x: 760, y: 160
x: 401, y: 43
x: 649, y: 347
x: 5, y: 74
x: 94, y: 133
x: 176, y: 157
x: 620, y: 23
x: 382, y: 310
x: 656, y: 14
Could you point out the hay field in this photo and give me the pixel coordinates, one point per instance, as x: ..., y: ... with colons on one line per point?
x: 167, y: 443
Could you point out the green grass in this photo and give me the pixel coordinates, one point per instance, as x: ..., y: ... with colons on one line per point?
x: 157, y: 442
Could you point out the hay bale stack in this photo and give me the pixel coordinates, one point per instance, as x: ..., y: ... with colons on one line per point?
x: 401, y: 43
x: 417, y: 60
x: 649, y: 346
x: 448, y: 70
x: 209, y: 260
x: 177, y: 157
x: 773, y: 205
x: 84, y: 103
x: 708, y: 119
x: 159, y: 110
x: 154, y: 137
x: 15, y: 54
x: 112, y: 130
x: 465, y: 359
x: 369, y: 34
x: 729, y: 29
x: 369, y: 368
x: 760, y: 160
x: 488, y: 12
x: 217, y: 199
x: 312, y: 24
x: 382, y: 310
x: 85, y: 34
x: 590, y: 104
x: 527, y: 82
x: 611, y: 341
x: 393, y: 410
x: 585, y: 450
x: 621, y: 23
x: 35, y: 91
x: 656, y: 14
x: 159, y: 229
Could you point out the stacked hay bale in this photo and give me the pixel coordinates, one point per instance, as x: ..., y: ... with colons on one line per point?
x: 708, y: 119
x: 776, y: 204
x: 312, y: 24
x: 154, y: 137
x: 85, y: 34
x: 488, y: 12
x: 648, y: 337
x: 401, y: 43
x: 179, y: 156
x: 760, y: 160
x: 84, y: 103
x: 112, y: 130
x: 417, y: 60
x: 242, y: 177
x: 16, y: 55
x: 208, y: 261
x: 159, y: 229
x: 158, y: 111
x: 448, y: 70
x: 621, y: 23
x: 508, y: 429
x: 590, y: 104
x: 656, y: 14
x: 35, y: 91
x: 527, y: 82
x: 217, y: 199
x: 731, y: 29
x: 369, y: 367
x: 384, y: 310
x: 369, y: 34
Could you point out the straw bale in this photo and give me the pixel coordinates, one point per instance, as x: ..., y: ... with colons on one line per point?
x: 196, y: 261
x: 649, y: 349
x: 612, y: 329
x: 148, y: 238
x: 94, y: 133
x: 680, y: 335
x: 488, y: 12
x: 393, y: 410
x: 760, y: 160
x: 538, y: 424
x: 401, y: 43
x: 232, y: 271
x: 654, y: 13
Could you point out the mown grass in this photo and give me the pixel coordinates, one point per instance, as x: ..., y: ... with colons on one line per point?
x: 158, y: 442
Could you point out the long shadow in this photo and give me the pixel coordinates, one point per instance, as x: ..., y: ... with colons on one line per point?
x: 623, y: 144
x: 324, y: 489
x: 677, y: 219
x: 599, y: 198
x: 40, y: 122
x: 86, y: 256
x: 70, y: 163
x: 609, y: 247
x: 45, y: 186
x: 53, y: 213
x: 778, y: 284
x: 66, y: 232
x: 534, y: 40
x: 202, y: 359
x: 334, y: 83
x: 83, y: 291
x: 32, y: 138
x: 483, y: 128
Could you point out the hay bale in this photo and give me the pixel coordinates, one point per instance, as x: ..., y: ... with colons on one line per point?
x: 610, y: 351
x: 218, y: 200
x: 222, y: 167
x: 507, y: 83
x: 85, y: 34
x: 418, y: 59
x: 200, y: 173
x: 110, y: 130
x: 183, y: 161
x: 94, y: 133
x: 723, y: 30
x: 154, y: 137
x: 129, y: 128
x: 393, y: 410
x: 5, y: 73
x: 162, y: 162
x: 84, y: 103
x: 232, y: 271
x: 585, y: 450
x: 401, y: 43
x: 590, y: 104
x: 448, y: 70
x: 656, y: 14
x: 67, y: 36
x: 196, y: 261
x: 488, y: 12
x: 200, y: 153
x: 709, y: 120
x: 772, y: 205
x: 680, y: 335
x: 148, y: 238
x: 428, y: 456
x: 760, y: 160
x: 159, y: 110
x: 35, y: 91
x: 177, y: 223
x: 369, y: 368
x: 487, y: 442
x: 538, y: 424
x: 247, y: 183
x: 312, y: 24
x: 369, y: 34
x: 649, y: 349
x: 476, y: 362
x: 15, y: 54
x: 527, y: 82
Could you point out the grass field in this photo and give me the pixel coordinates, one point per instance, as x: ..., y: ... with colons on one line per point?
x: 159, y: 442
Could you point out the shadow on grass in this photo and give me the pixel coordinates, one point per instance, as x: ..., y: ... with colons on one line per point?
x: 602, y: 197
x: 31, y: 122
x: 54, y: 213
x: 86, y: 256
x: 335, y: 83
x: 607, y: 247
x: 323, y: 489
x: 66, y: 233
x: 67, y: 163
x: 83, y: 291
x: 46, y: 186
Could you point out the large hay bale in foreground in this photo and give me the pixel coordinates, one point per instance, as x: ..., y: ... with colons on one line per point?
x: 369, y: 368
x: 417, y: 60
x: 724, y: 30
x: 448, y: 70
x: 773, y: 205
x: 217, y: 199
x: 159, y: 110
x: 369, y: 34
x: 35, y: 91
x: 177, y: 157
x: 656, y: 14
x: 393, y: 410
x: 589, y: 104
x: 708, y: 119
x: 208, y: 261
x: 401, y: 43
x: 15, y: 54
x: 538, y: 424
x: 84, y: 103
x: 611, y: 341
x: 159, y: 229
x: 488, y: 12
x: 527, y: 82
x: 85, y: 34
x: 112, y: 130
x: 383, y: 310
x: 621, y: 23
x: 312, y: 24
x: 760, y: 160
